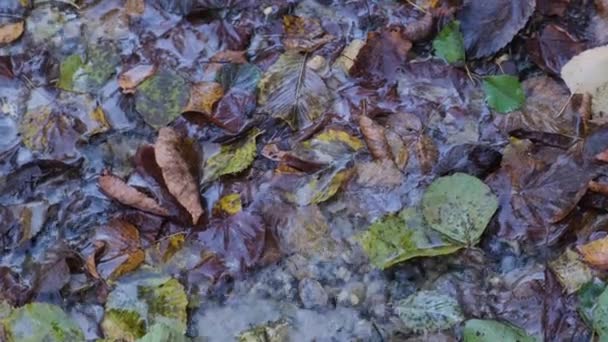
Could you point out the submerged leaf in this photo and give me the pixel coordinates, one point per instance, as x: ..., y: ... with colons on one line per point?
x: 161, y: 98
x: 477, y: 330
x: 429, y: 311
x: 395, y: 239
x: 170, y: 152
x: 204, y: 96
x: 229, y: 204
x: 240, y: 76
x: 118, y: 189
x: 600, y: 316
x: 459, y: 206
x: 271, y: 332
x: 90, y: 74
x: 449, y: 43
x: 47, y: 131
x: 570, y: 271
x: 290, y: 90
x: 231, y: 158
x: 503, y: 93
x: 67, y: 69
x: 322, y: 186
x: 36, y: 322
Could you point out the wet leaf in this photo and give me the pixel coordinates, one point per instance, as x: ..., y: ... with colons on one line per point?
x: 459, y: 206
x: 233, y: 110
x: 429, y: 311
x: 397, y: 238
x: 231, y: 159
x: 229, y: 204
x: 588, y: 298
x: 600, y: 316
x: 40, y: 322
x: 349, y: 55
x: 477, y: 330
x: 322, y: 186
x: 595, y: 252
x: 489, y: 26
x: 426, y: 153
x: 503, y: 93
x: 115, y: 250
x: 244, y: 76
x: 449, y: 43
x: 204, y: 96
x: 130, y: 79
x: 375, y: 138
x: 379, y: 173
x: 88, y: 75
x: 303, y: 34
x: 161, y: 332
x: 68, y: 68
x: 47, y: 131
x: 119, y: 190
x: 553, y: 47
x: 161, y: 98
x: 272, y: 332
x: 171, y: 151
x: 290, y: 90
x: 570, y: 271
x: 581, y: 76
x: 11, y: 31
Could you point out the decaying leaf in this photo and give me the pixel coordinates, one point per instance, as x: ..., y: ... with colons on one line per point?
x: 88, y: 74
x: 459, y: 206
x: 162, y: 332
x: 241, y: 76
x: 503, y: 93
x: 429, y: 311
x: 290, y: 90
x: 130, y: 79
x: 595, y: 253
x: 11, y: 31
x: 570, y: 271
x: 303, y: 34
x: 161, y: 98
x: 375, y: 139
x: 204, y: 96
x: 582, y: 76
x: 477, y: 330
x: 135, y: 7
x: 379, y: 173
x: 488, y: 26
x: 232, y: 158
x: 115, y: 250
x: 47, y: 131
x: 119, y: 190
x: 170, y: 149
x: 36, y: 322
x: 397, y: 238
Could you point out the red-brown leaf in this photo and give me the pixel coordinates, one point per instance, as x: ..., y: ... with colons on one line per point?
x: 119, y: 190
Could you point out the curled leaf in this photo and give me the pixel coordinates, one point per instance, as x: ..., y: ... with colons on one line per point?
x: 169, y: 151
x: 119, y: 190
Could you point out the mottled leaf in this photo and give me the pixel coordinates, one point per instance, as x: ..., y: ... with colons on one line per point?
x: 290, y: 90
x: 232, y: 158
x: 449, y: 43
x: 429, y: 311
x: 322, y: 186
x: 45, y: 130
x: 477, y: 330
x: 504, y: 93
x: 459, y: 206
x: 161, y: 332
x: 303, y: 34
x: 587, y: 299
x: 161, y: 98
x: 203, y: 97
x: 90, y: 74
x: 272, y: 332
x: 229, y: 204
x: 130, y: 79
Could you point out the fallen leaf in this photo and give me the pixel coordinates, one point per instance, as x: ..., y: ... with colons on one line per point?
x: 115, y: 250
x: 582, y: 76
x: 449, y: 44
x: 600, y: 316
x: 11, y: 31
x: 553, y: 47
x: 229, y: 204
x: 242, y: 76
x: 90, y: 74
x: 119, y: 190
x: 426, y: 153
x: 293, y: 92
x: 322, y: 186
x: 232, y: 111
x: 98, y: 116
x: 587, y: 299
x: 203, y: 97
x: 349, y: 55
x: 477, y: 330
x: 45, y: 130
x: 570, y: 271
x: 277, y: 331
x: 421, y: 29
x: 231, y: 159
x: 374, y: 138
x: 397, y: 238
x: 595, y: 253
x: 40, y: 322
x: 503, y: 93
x: 489, y: 26
x: 169, y: 150
x: 429, y: 311
x: 459, y: 206
x: 602, y: 156
x: 378, y: 173
x: 303, y: 34
x: 130, y: 79
x: 161, y: 332
x: 161, y: 98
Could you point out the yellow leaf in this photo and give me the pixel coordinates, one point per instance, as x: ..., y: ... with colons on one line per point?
x: 229, y: 204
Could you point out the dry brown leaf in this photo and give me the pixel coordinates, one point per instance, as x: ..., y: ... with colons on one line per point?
x: 374, y: 137
x: 595, y: 252
x: 427, y: 153
x: 181, y: 182
x: 115, y: 251
x: 130, y: 79
x: 11, y: 32
x: 203, y: 96
x: 119, y: 190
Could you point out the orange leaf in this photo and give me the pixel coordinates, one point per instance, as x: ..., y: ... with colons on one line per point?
x: 595, y: 253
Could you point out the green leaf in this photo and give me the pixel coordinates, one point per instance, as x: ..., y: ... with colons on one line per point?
x: 449, y: 43
x: 36, y: 322
x: 163, y: 333
x: 161, y: 98
x: 587, y: 299
x: 477, y: 330
x: 242, y: 76
x: 504, y: 93
x: 429, y: 311
x: 600, y: 315
x: 395, y: 239
x: 290, y: 90
x: 232, y: 158
x: 90, y: 75
x: 459, y: 206
x: 67, y: 69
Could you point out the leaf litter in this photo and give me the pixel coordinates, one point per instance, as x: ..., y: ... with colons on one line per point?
x: 303, y: 170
